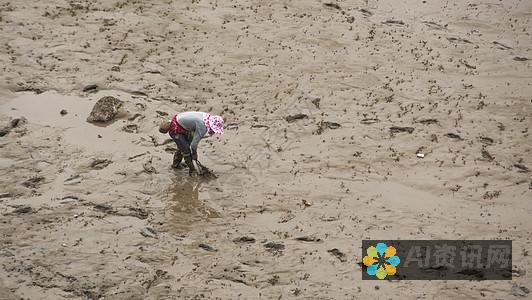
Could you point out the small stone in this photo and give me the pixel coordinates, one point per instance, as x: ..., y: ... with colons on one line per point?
x: 306, y: 203
x: 63, y: 112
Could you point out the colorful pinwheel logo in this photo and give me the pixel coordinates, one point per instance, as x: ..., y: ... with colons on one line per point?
x: 381, y: 261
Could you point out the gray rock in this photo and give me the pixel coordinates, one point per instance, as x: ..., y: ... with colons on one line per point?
x: 105, y: 110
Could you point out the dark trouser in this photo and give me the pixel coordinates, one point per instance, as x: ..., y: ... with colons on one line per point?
x: 183, y: 151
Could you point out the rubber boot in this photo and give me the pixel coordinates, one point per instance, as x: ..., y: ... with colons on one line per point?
x: 190, y: 164
x: 178, y: 157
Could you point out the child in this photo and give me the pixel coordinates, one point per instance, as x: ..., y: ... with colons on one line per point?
x: 187, y: 129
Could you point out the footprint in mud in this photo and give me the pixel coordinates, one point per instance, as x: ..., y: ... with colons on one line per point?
x: 365, y: 12
x: 459, y: 40
x: 394, y: 23
x: 501, y: 46
x: 398, y: 129
x: 185, y: 206
x: 433, y: 25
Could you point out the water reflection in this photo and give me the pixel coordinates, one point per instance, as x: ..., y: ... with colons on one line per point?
x: 185, y: 206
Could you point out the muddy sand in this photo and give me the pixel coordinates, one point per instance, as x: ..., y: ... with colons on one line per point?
x: 327, y: 106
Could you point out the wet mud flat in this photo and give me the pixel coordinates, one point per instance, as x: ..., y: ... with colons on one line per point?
x: 345, y: 120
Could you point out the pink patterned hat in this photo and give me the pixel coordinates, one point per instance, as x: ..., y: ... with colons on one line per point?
x: 215, y: 124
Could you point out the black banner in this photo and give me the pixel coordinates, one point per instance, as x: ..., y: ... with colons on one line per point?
x: 437, y: 259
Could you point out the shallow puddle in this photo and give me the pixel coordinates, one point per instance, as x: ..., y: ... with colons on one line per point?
x: 186, y: 202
